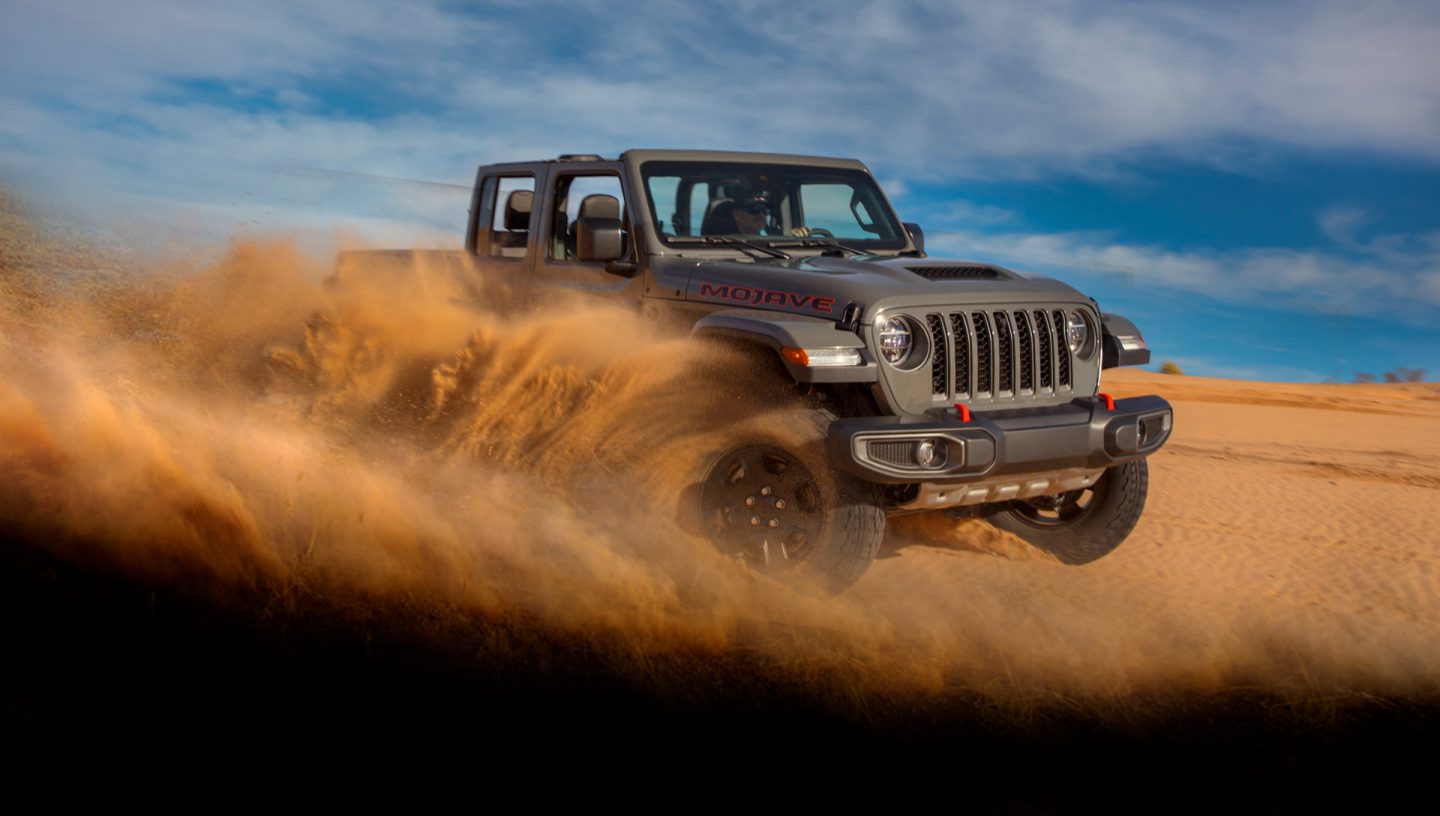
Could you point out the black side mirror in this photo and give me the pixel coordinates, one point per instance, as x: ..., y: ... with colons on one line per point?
x: 917, y: 236
x: 599, y: 239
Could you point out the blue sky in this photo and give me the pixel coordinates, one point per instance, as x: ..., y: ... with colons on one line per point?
x: 1258, y: 185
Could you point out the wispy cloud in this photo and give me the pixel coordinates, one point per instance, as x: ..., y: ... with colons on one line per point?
x: 1392, y: 275
x: 908, y: 84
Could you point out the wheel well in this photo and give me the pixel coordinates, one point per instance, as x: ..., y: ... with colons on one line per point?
x: 758, y: 366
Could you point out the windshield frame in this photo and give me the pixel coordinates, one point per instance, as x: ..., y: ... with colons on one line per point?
x: 780, y: 174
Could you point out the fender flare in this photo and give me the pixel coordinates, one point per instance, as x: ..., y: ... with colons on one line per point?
x: 1118, y: 333
x: 777, y: 330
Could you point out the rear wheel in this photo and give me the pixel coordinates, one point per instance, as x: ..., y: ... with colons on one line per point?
x: 771, y: 500
x: 1082, y: 525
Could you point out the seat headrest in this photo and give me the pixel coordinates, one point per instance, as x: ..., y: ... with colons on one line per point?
x: 517, y: 210
x: 600, y: 205
x: 721, y: 220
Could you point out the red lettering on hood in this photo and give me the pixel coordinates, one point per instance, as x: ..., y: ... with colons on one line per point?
x: 754, y: 295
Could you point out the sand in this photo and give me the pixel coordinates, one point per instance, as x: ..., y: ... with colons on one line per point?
x: 243, y: 428
x: 1289, y: 538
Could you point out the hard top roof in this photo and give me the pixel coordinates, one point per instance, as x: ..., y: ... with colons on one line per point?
x: 647, y: 154
x: 638, y: 156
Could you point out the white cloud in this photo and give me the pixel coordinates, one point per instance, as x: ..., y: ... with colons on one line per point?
x: 1375, y: 281
x: 913, y: 85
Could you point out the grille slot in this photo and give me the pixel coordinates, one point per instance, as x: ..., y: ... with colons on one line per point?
x: 1045, y: 341
x: 939, y: 377
x: 1062, y: 372
x: 956, y: 272
x: 961, y: 331
x: 1005, y: 354
x: 1026, y: 351
x: 983, y: 383
x: 900, y: 454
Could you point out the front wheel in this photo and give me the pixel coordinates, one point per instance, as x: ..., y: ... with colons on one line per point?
x: 772, y: 500
x: 1082, y: 525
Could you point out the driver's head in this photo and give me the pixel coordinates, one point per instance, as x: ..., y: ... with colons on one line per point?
x: 748, y: 222
x: 750, y: 213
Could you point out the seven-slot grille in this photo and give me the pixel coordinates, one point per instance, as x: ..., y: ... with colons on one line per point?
x: 998, y: 352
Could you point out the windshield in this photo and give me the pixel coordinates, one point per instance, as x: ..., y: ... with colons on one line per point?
x: 767, y: 203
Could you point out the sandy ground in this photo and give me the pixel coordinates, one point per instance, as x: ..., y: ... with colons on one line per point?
x: 1289, y: 538
x: 218, y: 510
x: 403, y: 437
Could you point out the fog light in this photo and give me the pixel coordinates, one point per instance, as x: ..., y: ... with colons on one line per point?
x: 929, y: 453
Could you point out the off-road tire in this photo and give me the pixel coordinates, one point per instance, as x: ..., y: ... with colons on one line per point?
x: 1096, y: 529
x: 848, y: 518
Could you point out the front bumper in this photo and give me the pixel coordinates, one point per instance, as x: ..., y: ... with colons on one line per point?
x: 1082, y: 435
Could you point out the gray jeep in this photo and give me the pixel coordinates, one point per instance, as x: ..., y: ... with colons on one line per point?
x: 929, y: 384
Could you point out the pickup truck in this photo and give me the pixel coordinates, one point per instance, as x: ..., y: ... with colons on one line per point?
x: 924, y: 384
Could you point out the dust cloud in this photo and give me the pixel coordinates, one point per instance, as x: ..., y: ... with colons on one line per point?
x: 407, y: 427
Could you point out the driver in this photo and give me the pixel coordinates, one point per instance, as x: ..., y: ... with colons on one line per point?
x: 752, y: 216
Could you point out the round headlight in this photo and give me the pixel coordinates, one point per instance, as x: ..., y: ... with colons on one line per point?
x: 1077, y: 332
x: 896, y: 340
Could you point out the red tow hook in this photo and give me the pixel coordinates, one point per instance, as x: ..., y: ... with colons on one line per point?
x: 1109, y: 401
x: 964, y: 411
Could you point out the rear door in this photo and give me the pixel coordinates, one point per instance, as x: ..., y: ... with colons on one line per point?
x: 503, y: 234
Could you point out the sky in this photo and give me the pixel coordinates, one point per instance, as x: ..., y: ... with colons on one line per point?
x: 1257, y: 185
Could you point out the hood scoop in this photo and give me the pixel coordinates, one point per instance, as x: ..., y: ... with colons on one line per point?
x: 959, y: 272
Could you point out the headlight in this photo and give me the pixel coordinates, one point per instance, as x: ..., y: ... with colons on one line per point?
x: 1078, y: 332
x: 896, y: 340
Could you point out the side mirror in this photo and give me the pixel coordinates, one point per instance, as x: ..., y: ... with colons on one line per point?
x: 917, y: 236
x: 598, y: 239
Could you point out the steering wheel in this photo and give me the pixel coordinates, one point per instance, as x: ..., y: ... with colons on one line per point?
x: 822, y: 232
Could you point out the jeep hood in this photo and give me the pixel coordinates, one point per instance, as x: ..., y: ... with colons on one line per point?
x: 824, y: 286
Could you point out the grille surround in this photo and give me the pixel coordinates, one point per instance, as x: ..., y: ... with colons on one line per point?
x: 999, y: 354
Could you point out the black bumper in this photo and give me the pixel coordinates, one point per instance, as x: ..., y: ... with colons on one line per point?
x: 1084, y: 433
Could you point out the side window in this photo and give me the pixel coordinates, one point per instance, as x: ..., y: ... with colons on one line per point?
x: 662, y: 203
x: 579, y: 197
x: 510, y: 220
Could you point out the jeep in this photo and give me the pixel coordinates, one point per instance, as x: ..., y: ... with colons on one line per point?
x: 931, y: 384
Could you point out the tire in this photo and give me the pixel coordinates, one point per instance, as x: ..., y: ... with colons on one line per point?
x: 770, y: 498
x: 1083, y: 525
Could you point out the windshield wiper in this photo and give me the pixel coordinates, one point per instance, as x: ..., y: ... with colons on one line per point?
x: 817, y: 243
x: 728, y: 240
